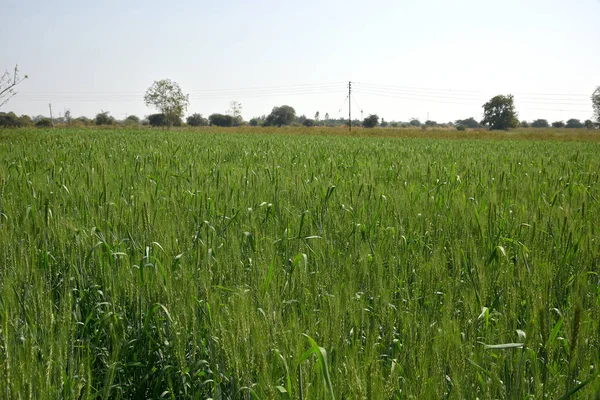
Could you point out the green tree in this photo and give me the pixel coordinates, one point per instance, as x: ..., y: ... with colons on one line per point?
x: 103, y: 118
x: 371, y: 121
x: 283, y: 115
x: 574, y: 123
x: 540, y: 123
x: 317, y: 116
x: 308, y: 122
x: 588, y: 124
x: 68, y: 117
x: 8, y: 83
x: 558, y: 124
x: 595, y: 104
x: 196, y: 120
x: 254, y: 122
x: 10, y: 120
x: 221, y: 120
x: 524, y: 124
x: 468, y: 123
x: 83, y: 121
x: 415, y: 122
x: 161, y: 120
x: 384, y: 123
x: 43, y: 123
x: 499, y: 113
x: 168, y: 98
x: 132, y: 120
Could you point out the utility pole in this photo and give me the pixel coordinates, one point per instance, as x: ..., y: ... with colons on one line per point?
x: 51, y: 119
x: 349, y: 106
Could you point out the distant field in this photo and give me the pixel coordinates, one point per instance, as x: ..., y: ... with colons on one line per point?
x: 196, y: 264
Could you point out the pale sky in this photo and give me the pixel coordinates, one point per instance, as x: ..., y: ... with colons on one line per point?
x: 408, y: 58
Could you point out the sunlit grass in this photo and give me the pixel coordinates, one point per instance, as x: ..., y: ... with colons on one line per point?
x: 195, y: 264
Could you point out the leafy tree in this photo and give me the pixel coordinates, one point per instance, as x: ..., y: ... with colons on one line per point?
x: 588, y: 124
x: 167, y: 97
x: 383, y: 123
x: 10, y: 120
x: 499, y: 113
x: 132, y: 120
x: 595, y: 104
x: 85, y: 121
x: 461, y: 127
x: 196, y: 120
x: 468, y: 123
x: 254, y: 122
x: 68, y: 117
x: 104, y: 119
x: 558, y: 124
x: 308, y: 122
x: 574, y: 123
x: 415, y: 122
x: 394, y: 124
x: 25, y: 120
x: 300, y: 119
x: 283, y: 115
x: 44, y: 123
x: 431, y: 123
x: 8, y: 83
x: 326, y: 116
x: 524, y: 124
x: 371, y: 121
x: 540, y: 123
x: 317, y: 116
x: 161, y: 120
x: 235, y: 110
x: 221, y: 120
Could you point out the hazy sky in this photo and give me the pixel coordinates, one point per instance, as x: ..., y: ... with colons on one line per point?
x: 408, y: 58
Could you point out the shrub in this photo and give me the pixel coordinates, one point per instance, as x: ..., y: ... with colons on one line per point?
x: 43, y: 123
x: 221, y: 120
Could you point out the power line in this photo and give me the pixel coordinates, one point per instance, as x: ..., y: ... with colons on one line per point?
x: 435, y: 96
x: 466, y: 91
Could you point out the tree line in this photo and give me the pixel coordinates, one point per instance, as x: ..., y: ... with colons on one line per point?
x: 167, y: 98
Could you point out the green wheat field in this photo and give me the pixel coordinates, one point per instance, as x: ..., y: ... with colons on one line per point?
x: 152, y: 264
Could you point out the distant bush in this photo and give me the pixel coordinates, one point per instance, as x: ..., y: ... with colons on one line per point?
x: 196, y: 120
x: 574, y: 123
x: 283, y: 115
x: 10, y: 120
x: 461, y: 128
x: 469, y: 123
x: 104, y: 119
x: 558, y: 124
x: 540, y: 123
x: 524, y: 124
x: 132, y: 120
x: 220, y: 120
x: 308, y: 122
x: 160, y: 120
x: 371, y: 121
x: 43, y: 123
x: 253, y: 122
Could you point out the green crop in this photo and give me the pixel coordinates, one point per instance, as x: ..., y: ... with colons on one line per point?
x: 154, y: 264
